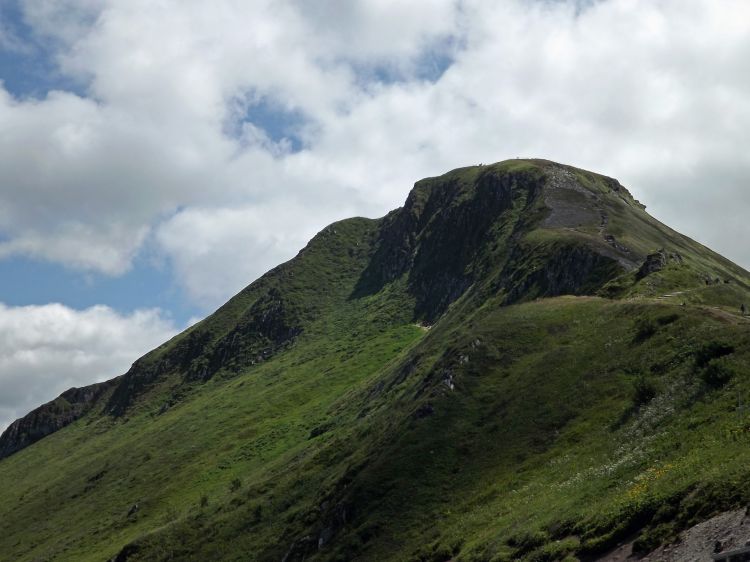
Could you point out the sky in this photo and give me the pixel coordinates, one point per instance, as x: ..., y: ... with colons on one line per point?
x: 158, y: 156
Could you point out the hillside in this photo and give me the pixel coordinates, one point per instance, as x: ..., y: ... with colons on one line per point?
x: 519, y: 364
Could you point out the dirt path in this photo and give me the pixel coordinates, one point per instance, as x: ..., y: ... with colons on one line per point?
x: 726, y: 316
x: 715, y: 311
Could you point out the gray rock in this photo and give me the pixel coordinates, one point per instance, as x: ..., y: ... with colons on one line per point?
x: 654, y: 262
x: 51, y: 417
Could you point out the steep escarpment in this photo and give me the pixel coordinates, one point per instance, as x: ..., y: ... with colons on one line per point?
x: 266, y: 327
x: 452, y: 230
x: 519, y: 364
x: 479, y: 225
x: 71, y: 405
x: 260, y: 322
x: 524, y: 229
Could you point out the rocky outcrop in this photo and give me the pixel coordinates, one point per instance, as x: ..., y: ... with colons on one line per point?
x: 52, y: 416
x: 263, y: 330
x: 564, y: 270
x: 656, y: 262
x: 722, y: 533
x: 450, y: 233
x: 441, y: 238
x: 456, y: 229
x: 266, y: 327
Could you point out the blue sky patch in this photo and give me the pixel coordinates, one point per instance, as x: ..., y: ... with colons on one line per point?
x: 27, y: 65
x: 282, y: 126
x: 429, y: 66
x: 24, y: 281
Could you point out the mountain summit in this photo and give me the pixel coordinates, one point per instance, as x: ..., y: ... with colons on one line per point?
x: 518, y: 364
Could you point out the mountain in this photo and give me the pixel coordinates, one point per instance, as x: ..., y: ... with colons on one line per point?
x: 518, y: 364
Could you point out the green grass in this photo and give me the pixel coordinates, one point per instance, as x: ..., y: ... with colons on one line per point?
x: 551, y: 443
x: 547, y: 429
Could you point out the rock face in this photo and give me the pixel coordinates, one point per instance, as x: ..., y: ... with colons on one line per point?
x: 51, y: 417
x: 722, y: 533
x: 439, y: 239
x: 260, y: 332
x: 654, y: 262
x: 657, y: 262
x: 573, y: 270
x: 457, y: 230
x: 265, y: 328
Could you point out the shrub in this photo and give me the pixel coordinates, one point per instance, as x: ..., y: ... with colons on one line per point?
x: 527, y: 541
x: 716, y: 374
x: 556, y: 550
x: 712, y: 350
x: 651, y: 538
x: 644, y: 329
x: 235, y: 485
x: 644, y: 391
x: 667, y: 319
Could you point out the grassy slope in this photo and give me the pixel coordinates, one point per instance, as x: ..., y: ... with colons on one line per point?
x: 541, y: 440
x: 542, y: 448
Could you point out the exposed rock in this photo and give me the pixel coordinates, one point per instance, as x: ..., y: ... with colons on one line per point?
x: 325, y: 536
x: 52, y: 416
x: 657, y: 261
x: 439, y: 232
x: 568, y: 270
x: 437, y: 236
x: 265, y: 328
x: 448, y: 380
x: 135, y: 382
x: 452, y: 232
x: 424, y: 411
x: 726, y: 531
x: 570, y: 204
x: 654, y: 262
x: 126, y: 553
x: 612, y: 241
x: 300, y: 549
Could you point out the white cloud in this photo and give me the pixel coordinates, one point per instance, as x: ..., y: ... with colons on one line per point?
x: 655, y: 93
x: 251, y: 239
x: 44, y: 350
x: 372, y: 31
x: 60, y: 20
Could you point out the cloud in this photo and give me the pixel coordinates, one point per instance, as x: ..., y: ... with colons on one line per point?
x: 44, y: 350
x: 60, y: 20
x: 171, y: 148
x: 252, y: 239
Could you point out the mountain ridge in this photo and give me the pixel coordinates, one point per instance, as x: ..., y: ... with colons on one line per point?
x: 322, y: 380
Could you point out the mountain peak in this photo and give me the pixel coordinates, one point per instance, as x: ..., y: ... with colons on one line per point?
x: 528, y: 227
x: 472, y: 354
